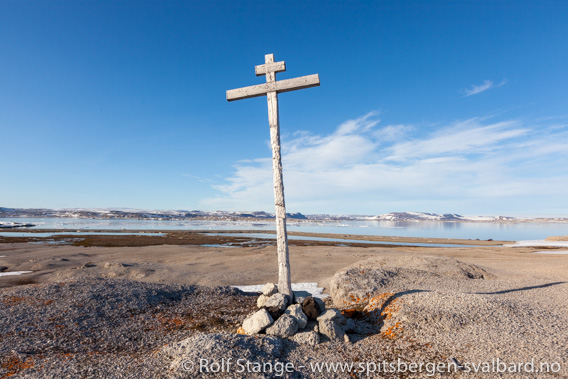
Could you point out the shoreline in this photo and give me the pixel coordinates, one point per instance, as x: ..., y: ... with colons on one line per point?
x: 222, y: 236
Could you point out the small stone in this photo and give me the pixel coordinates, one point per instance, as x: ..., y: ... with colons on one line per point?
x: 346, y: 338
x: 257, y: 322
x: 295, y: 311
x: 285, y: 326
x: 310, y: 308
x: 331, y: 330
x: 321, y: 304
x: 277, y: 300
x: 299, y: 296
x: 274, y: 312
x: 269, y: 289
x: 330, y: 314
x: 306, y: 338
x: 261, y: 301
x: 113, y: 265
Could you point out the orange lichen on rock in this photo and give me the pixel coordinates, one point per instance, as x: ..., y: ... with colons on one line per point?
x: 381, y: 308
x: 67, y: 356
x: 394, y: 331
x: 378, y: 301
x: 386, y: 303
x: 349, y: 313
x: 13, y: 300
x: 14, y: 365
x: 240, y: 330
x: 170, y: 322
x: 356, y: 301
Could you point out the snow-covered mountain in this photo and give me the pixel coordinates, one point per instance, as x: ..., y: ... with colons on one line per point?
x: 417, y: 216
x: 139, y: 214
x: 422, y: 216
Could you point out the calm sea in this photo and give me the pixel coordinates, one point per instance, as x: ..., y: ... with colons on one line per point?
x: 465, y: 230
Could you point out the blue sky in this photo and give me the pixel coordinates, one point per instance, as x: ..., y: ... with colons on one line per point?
x: 434, y: 106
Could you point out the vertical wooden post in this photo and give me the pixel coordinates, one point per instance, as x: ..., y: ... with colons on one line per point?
x: 284, y: 281
x: 271, y: 89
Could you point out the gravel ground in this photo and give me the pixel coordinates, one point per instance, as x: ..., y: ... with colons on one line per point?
x: 99, y: 328
x: 468, y: 313
x: 96, y: 328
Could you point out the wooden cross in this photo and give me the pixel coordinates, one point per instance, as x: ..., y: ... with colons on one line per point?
x: 271, y: 89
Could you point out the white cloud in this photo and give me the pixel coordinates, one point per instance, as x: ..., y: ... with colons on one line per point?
x: 470, y: 166
x: 486, y: 85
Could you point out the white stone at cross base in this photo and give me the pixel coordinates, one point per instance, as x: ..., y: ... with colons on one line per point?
x: 271, y: 89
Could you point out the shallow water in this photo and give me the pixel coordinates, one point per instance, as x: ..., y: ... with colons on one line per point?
x: 304, y: 238
x: 426, y: 229
x: 51, y: 234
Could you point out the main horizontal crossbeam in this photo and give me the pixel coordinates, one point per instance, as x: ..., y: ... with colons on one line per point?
x: 278, y: 86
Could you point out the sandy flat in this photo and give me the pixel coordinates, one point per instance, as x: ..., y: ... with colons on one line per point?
x: 214, y: 266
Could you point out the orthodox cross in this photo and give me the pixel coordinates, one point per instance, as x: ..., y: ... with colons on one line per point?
x: 271, y: 89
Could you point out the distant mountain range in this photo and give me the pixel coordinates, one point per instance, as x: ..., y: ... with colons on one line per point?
x: 225, y: 215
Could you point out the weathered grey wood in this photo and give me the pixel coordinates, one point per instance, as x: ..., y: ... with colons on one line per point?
x: 270, y: 67
x: 284, y: 281
x: 280, y: 86
x: 271, y: 89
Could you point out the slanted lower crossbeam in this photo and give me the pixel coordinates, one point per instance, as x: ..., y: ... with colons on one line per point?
x: 279, y: 86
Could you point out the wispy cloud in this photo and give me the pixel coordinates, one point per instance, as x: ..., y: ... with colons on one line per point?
x: 471, y: 166
x: 486, y: 85
x: 198, y: 178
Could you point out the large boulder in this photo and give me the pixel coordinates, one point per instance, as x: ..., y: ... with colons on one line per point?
x: 285, y: 326
x: 257, y: 322
x: 295, y: 310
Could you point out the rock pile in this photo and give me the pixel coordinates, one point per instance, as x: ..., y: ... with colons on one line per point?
x: 358, y: 283
x: 306, y: 321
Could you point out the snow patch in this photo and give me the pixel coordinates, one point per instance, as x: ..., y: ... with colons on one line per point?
x: 533, y: 243
x: 12, y: 224
x: 14, y: 273
x: 308, y: 287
